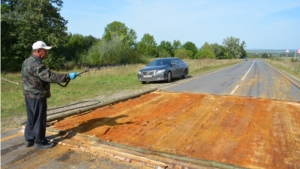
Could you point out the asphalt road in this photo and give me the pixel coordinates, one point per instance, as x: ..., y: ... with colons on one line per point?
x: 253, y: 78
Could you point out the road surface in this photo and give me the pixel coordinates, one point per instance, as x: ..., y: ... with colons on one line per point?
x: 253, y: 78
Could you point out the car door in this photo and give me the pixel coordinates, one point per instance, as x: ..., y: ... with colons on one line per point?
x: 176, y: 68
x: 181, y: 67
x: 173, y: 68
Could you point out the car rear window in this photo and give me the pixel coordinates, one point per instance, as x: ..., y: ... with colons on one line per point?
x: 159, y: 62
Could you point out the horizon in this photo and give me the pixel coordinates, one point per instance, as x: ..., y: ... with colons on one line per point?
x: 275, y: 49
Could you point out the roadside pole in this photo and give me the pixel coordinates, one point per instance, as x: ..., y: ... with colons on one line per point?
x: 287, y: 52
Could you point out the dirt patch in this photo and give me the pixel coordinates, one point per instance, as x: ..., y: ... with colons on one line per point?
x: 244, y: 131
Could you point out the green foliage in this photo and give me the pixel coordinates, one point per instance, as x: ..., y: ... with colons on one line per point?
x: 93, y: 56
x: 235, y: 49
x: 120, y: 31
x: 191, y: 47
x: 264, y: 55
x: 147, y: 46
x: 176, y: 45
x: 71, y: 54
x: 183, y: 53
x: 78, y: 45
x: 165, y: 49
x: 111, y: 52
x: 54, y: 62
x: 242, y: 48
x: 9, y: 64
x: 295, y: 60
x: 206, y: 51
x: 164, y: 53
x: 219, y: 51
x: 26, y: 21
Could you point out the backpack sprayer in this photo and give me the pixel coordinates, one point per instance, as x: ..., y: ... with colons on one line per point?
x: 65, y: 85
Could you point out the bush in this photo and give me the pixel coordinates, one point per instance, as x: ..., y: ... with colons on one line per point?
x: 11, y: 66
x: 163, y: 53
x: 55, y: 62
x: 111, y: 52
x: 183, y: 53
x: 69, y: 65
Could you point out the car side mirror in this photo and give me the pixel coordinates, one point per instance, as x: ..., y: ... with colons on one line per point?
x: 173, y: 64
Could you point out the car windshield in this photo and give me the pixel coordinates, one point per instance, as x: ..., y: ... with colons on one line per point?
x: 159, y: 62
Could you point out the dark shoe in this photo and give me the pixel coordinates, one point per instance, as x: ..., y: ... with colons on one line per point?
x: 29, y: 143
x: 46, y: 141
x: 44, y: 145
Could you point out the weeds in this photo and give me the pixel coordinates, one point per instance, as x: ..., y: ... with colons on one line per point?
x: 291, y: 67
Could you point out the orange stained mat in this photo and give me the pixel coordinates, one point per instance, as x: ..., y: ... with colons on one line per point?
x: 248, y: 132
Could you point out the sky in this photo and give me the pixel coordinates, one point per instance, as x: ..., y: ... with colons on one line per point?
x: 262, y: 24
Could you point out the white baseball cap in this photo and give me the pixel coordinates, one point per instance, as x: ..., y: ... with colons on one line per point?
x: 40, y: 44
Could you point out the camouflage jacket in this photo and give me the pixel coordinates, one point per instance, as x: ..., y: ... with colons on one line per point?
x: 37, y: 78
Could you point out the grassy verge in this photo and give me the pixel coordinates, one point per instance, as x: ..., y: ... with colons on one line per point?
x: 96, y: 82
x: 292, y: 68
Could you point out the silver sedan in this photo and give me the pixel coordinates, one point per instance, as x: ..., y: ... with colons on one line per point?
x: 163, y: 69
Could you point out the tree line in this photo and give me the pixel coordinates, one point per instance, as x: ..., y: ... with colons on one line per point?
x: 25, y: 21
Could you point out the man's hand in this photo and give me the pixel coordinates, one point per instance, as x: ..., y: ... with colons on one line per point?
x: 73, y: 75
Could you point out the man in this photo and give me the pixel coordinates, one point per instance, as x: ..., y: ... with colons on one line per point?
x: 36, y: 89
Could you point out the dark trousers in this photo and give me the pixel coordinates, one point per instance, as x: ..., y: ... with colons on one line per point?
x: 35, y: 129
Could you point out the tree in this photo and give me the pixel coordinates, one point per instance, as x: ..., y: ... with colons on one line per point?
x: 119, y: 30
x: 183, y: 53
x: 111, y: 52
x: 26, y: 21
x: 235, y: 49
x: 77, y: 45
x: 264, y: 55
x: 165, y: 49
x: 176, y: 45
x: 219, y: 51
x: 191, y: 47
x: 206, y: 51
x: 242, y: 46
x: 147, y: 46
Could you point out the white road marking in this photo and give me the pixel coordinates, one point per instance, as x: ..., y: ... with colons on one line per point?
x: 248, y: 70
x: 193, y: 78
x: 236, y: 87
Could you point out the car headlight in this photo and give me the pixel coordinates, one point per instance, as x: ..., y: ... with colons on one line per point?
x: 160, y: 71
x: 139, y: 72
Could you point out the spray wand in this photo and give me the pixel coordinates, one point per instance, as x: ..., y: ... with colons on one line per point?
x: 65, y: 85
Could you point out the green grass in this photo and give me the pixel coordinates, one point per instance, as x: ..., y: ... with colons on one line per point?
x: 292, y: 68
x: 96, y: 82
x: 12, y: 100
